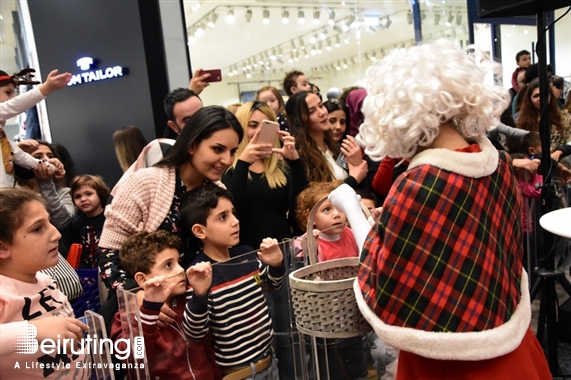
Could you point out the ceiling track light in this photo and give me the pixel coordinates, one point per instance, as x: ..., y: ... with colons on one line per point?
x: 323, y: 34
x: 248, y: 14
x: 328, y: 47
x: 300, y: 16
x: 388, y: 22
x: 436, y: 18
x: 458, y: 18
x: 313, y: 38
x: 337, y: 42
x: 409, y: 17
x: 301, y: 43
x: 450, y: 19
x: 293, y: 48
x: 266, y: 16
x: 316, y: 16
x: 285, y: 16
x: 212, y: 20
x: 331, y: 20
x: 230, y: 16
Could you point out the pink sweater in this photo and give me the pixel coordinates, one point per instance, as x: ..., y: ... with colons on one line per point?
x: 21, y: 302
x: 345, y: 246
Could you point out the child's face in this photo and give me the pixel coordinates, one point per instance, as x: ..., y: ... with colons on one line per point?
x: 35, y: 244
x: 222, y: 227
x: 302, y: 84
x: 270, y: 99
x: 166, y: 264
x: 329, y: 219
x: 368, y: 203
x: 524, y: 61
x: 87, y: 201
x: 7, y: 92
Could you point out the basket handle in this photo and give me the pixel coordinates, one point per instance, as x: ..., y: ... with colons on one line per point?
x: 311, y: 241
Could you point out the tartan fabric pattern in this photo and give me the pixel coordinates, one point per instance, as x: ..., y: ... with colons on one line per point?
x: 445, y: 255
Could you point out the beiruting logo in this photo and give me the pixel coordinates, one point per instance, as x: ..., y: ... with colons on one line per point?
x: 26, y: 343
x: 86, y: 76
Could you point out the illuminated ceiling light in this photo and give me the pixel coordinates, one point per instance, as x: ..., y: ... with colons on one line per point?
x: 409, y: 17
x: 323, y: 34
x: 191, y: 39
x: 290, y: 60
x: 316, y: 16
x: 285, y: 16
x: 436, y: 18
x: 347, y: 38
x: 313, y: 51
x: 261, y: 60
x: 331, y: 20
x: 345, y: 64
x: 328, y: 47
x: 358, y: 34
x: 195, y: 6
x: 319, y: 47
x: 373, y: 57
x: 266, y: 16
x: 248, y: 14
x: 337, y: 42
x: 235, y: 71
x: 296, y: 57
x: 313, y: 38
x: 350, y: 20
x: 212, y: 20
x: 450, y: 19
x: 199, y: 31
x: 230, y: 16
x: 248, y: 65
x: 248, y: 75
x: 293, y: 48
x: 274, y: 55
x: 388, y: 22
x: 230, y: 74
x: 301, y: 43
x: 338, y: 66
x: 458, y: 18
x: 305, y: 53
x: 300, y: 16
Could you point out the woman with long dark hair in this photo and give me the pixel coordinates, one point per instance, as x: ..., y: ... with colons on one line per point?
x: 149, y: 199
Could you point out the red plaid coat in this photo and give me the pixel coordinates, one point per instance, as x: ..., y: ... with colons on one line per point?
x: 441, y: 272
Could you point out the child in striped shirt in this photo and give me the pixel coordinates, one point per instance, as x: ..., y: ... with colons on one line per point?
x: 227, y: 285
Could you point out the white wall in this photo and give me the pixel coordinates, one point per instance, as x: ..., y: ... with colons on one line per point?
x: 563, y: 44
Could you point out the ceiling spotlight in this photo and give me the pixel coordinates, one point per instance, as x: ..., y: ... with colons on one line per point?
x: 350, y: 19
x: 293, y: 48
x: 296, y: 57
x: 212, y: 20
x: 328, y: 47
x: 290, y: 60
x: 373, y: 57
x: 367, y: 56
x: 248, y: 14
x: 331, y: 20
x: 300, y: 16
x: 261, y: 60
x: 409, y: 17
x: 313, y: 51
x: 347, y: 38
x: 345, y: 64
x: 248, y: 75
x: 305, y: 53
x: 301, y: 43
x: 338, y: 66
x: 388, y: 22
x: 266, y: 16
x: 191, y: 39
x: 316, y: 16
x: 459, y: 18
x: 423, y: 15
x: 337, y: 42
x: 285, y: 16
x: 323, y: 34
x: 450, y: 19
x: 319, y: 47
x: 313, y: 38
x: 199, y: 31
x: 436, y: 18
x: 230, y: 16
x: 274, y: 55
x: 352, y: 60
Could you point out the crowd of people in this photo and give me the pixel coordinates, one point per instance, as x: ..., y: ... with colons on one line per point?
x: 195, y: 222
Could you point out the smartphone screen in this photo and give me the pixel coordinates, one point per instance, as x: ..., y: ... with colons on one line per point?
x: 268, y: 133
x: 215, y: 75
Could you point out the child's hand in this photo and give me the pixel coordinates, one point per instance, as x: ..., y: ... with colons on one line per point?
x: 29, y: 146
x: 376, y: 213
x: 255, y: 151
x: 270, y: 252
x: 288, y: 150
x: 59, y: 327
x: 58, y: 169
x: 157, y: 289
x: 54, y: 82
x: 200, y: 278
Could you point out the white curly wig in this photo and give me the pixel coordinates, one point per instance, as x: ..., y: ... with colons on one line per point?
x: 411, y: 92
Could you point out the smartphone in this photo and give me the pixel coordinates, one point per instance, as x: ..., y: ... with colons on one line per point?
x: 268, y: 132
x: 342, y: 162
x: 215, y: 75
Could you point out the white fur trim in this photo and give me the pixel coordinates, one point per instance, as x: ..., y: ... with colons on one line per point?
x: 455, y: 346
x: 474, y: 165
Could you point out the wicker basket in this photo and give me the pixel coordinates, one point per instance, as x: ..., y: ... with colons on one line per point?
x: 322, y: 294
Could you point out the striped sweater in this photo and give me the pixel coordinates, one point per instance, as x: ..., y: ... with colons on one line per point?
x: 234, y: 309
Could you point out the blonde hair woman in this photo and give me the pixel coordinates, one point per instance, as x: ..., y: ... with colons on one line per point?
x: 262, y: 178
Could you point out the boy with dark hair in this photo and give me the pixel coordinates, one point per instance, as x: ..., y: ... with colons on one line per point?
x: 227, y: 285
x: 295, y: 81
x: 152, y: 259
x: 523, y: 60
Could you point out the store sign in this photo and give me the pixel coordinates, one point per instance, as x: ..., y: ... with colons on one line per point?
x: 89, y: 76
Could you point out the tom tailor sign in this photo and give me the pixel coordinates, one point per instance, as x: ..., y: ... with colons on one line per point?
x: 89, y: 76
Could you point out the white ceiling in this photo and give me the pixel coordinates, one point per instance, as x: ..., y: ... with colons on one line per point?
x: 233, y: 46
x: 7, y: 41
